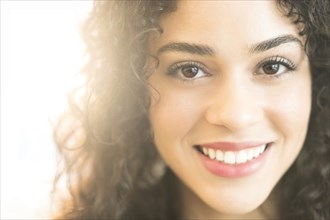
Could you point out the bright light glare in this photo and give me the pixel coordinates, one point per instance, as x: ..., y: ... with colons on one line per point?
x: 41, y: 51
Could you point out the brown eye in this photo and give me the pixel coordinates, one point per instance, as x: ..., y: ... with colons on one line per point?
x: 275, y: 66
x: 190, y: 71
x: 271, y: 69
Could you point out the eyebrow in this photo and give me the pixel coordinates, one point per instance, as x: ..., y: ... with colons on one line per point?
x: 197, y: 49
x: 205, y: 50
x: 274, y: 42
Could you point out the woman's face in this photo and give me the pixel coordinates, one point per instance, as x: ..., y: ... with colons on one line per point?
x: 231, y: 100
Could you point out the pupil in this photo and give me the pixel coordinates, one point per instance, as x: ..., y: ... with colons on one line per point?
x: 190, y: 72
x: 271, y: 68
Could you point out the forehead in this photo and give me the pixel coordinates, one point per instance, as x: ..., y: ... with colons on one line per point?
x: 247, y: 22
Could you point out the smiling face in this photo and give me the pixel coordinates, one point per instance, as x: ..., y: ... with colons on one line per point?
x: 231, y: 101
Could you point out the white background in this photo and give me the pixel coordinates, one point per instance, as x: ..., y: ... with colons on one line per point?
x: 41, y: 51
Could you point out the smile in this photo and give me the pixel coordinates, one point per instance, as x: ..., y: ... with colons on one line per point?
x: 233, y: 157
x: 233, y: 160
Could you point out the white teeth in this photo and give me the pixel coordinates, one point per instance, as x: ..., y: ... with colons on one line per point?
x: 250, y: 154
x: 219, y: 155
x: 205, y: 150
x: 256, y: 152
x: 211, y: 153
x: 230, y: 157
x: 262, y: 148
x: 241, y: 157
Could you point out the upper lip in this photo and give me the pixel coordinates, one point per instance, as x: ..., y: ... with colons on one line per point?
x: 232, y: 146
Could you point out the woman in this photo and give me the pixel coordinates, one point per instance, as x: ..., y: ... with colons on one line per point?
x: 201, y: 110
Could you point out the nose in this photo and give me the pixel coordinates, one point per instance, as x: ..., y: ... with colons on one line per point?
x: 235, y: 104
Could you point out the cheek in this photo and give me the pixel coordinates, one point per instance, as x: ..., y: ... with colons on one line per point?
x: 289, y: 112
x: 173, y: 114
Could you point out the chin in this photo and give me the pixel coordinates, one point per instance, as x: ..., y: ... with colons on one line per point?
x: 237, y: 209
x: 239, y: 205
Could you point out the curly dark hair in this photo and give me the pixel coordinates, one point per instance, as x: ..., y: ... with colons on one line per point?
x: 105, y: 141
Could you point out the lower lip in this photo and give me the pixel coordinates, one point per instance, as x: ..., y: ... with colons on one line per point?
x: 235, y: 170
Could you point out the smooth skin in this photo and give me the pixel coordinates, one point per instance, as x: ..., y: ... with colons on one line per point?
x: 229, y: 71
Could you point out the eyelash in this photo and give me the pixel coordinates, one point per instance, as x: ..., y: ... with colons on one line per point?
x: 276, y: 60
x: 174, y: 69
